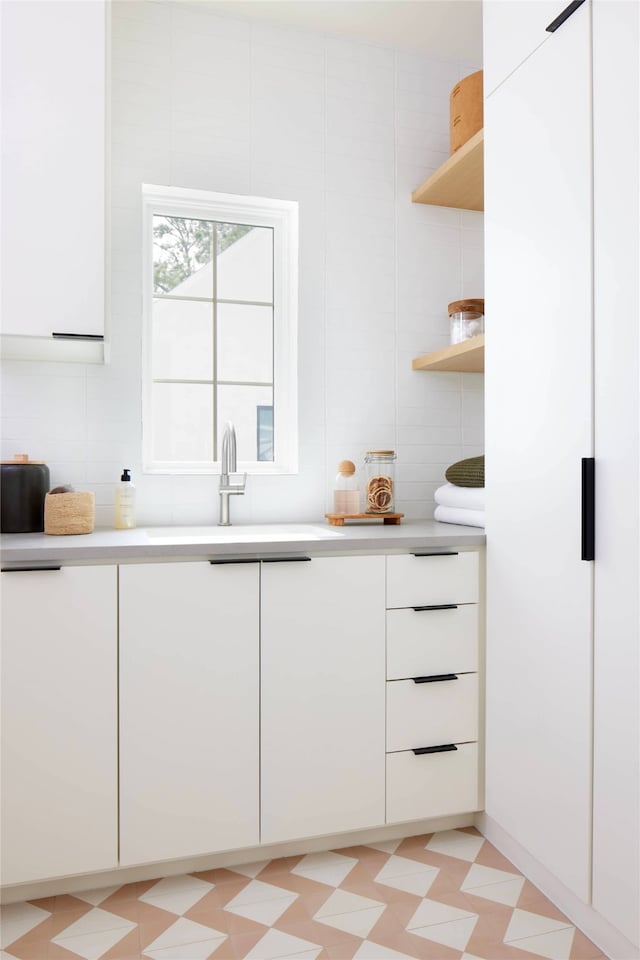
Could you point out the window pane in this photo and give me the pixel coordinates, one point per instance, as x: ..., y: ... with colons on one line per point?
x: 245, y: 266
x: 241, y: 406
x: 182, y: 421
x: 245, y: 342
x: 182, y: 251
x: 182, y: 340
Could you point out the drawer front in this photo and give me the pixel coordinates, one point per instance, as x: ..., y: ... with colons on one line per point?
x: 432, y: 784
x: 423, y: 642
x: 427, y: 714
x: 445, y: 578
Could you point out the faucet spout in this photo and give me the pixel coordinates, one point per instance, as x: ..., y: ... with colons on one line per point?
x: 228, y: 455
x: 228, y: 467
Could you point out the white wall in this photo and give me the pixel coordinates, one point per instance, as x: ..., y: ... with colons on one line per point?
x: 345, y: 128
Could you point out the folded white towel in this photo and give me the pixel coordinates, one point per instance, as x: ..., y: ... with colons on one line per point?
x: 468, y: 518
x: 471, y: 498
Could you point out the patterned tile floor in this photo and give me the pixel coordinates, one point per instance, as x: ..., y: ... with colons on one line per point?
x: 443, y: 896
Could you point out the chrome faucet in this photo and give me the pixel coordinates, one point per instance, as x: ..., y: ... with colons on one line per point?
x: 227, y: 469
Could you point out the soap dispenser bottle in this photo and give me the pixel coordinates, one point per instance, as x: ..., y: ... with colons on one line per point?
x: 125, y: 503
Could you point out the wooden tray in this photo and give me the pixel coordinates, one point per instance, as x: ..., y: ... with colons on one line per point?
x: 338, y: 519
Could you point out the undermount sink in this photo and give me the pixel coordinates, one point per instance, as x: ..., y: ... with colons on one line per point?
x: 250, y: 533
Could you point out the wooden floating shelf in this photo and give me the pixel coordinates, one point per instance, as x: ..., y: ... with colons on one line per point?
x: 465, y: 357
x: 459, y: 182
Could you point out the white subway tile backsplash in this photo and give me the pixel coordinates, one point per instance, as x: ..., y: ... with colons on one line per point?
x: 348, y: 129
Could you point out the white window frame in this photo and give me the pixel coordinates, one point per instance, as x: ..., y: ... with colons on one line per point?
x: 282, y: 217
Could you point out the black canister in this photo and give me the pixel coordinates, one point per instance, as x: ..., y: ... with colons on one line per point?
x: 23, y: 485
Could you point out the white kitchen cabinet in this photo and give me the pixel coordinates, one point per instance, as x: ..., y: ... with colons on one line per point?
x: 323, y: 696
x: 562, y: 258
x: 511, y: 32
x: 431, y: 784
x: 59, y: 722
x: 53, y: 173
x: 432, y: 710
x: 538, y: 384
x: 616, y: 773
x: 189, y: 709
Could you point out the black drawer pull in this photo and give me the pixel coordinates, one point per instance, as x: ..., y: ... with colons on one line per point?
x: 564, y: 15
x: 239, y: 560
x: 444, y: 748
x: 437, y: 606
x: 27, y: 569
x: 426, y: 553
x: 285, y: 559
x: 78, y: 336
x: 436, y: 678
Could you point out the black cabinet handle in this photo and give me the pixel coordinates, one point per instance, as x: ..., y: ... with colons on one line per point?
x: 437, y: 606
x: 444, y: 748
x: 588, y: 508
x: 285, y: 559
x: 566, y: 13
x: 27, y: 569
x: 238, y: 560
x: 425, y: 553
x: 436, y: 678
x: 78, y: 336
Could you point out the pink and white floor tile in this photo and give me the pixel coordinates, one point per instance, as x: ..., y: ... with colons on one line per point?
x: 443, y: 896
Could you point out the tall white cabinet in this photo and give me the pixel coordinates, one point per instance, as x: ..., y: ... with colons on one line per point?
x: 538, y: 292
x: 561, y: 223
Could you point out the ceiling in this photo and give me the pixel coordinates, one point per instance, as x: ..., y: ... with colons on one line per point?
x: 451, y: 29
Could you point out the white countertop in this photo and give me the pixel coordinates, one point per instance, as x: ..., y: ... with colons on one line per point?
x: 249, y: 542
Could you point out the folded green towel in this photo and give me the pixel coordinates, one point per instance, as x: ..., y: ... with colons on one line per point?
x: 466, y: 473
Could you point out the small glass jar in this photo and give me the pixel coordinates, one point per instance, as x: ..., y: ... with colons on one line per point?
x: 346, y: 493
x: 379, y: 481
x: 466, y: 318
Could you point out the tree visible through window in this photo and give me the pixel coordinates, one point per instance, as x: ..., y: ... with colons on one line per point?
x: 213, y: 335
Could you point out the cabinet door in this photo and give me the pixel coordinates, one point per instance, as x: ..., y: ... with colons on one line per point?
x: 616, y: 774
x: 59, y: 723
x: 53, y: 159
x: 188, y: 709
x: 539, y: 426
x: 511, y: 31
x: 323, y: 696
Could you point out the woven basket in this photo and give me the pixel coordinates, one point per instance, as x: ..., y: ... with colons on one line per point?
x: 69, y: 513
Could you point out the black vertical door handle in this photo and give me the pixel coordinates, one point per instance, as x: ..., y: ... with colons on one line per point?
x: 588, y: 508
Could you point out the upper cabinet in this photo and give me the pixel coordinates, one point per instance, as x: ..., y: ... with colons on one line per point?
x: 54, y: 96
x: 511, y: 32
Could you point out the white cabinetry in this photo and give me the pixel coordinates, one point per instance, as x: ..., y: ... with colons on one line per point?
x: 53, y: 176
x: 323, y: 756
x: 561, y: 224
x: 432, y: 685
x: 59, y: 722
x: 538, y: 292
x: 511, y: 32
x: 616, y: 774
x: 189, y: 696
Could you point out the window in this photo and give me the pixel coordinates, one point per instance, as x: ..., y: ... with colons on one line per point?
x: 220, y: 302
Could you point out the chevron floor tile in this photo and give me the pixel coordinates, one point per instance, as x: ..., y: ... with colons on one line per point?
x: 443, y: 896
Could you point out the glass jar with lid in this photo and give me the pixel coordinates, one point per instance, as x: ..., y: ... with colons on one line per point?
x: 466, y: 318
x: 379, y: 481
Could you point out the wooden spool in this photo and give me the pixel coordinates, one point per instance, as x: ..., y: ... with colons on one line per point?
x: 465, y: 110
x: 69, y: 513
